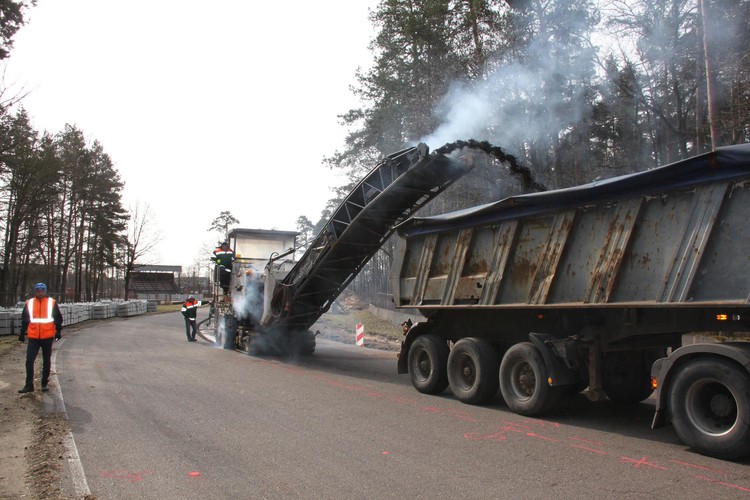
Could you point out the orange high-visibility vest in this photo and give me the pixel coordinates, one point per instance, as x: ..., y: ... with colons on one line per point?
x: 190, y: 308
x: 41, y: 321
x: 224, y: 257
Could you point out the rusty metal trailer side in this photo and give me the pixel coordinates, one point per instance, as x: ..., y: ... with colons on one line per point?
x: 676, y: 235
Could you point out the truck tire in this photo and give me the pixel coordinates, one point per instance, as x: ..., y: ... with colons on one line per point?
x: 626, y: 375
x: 523, y: 381
x: 709, y: 404
x: 473, y: 371
x: 428, y: 364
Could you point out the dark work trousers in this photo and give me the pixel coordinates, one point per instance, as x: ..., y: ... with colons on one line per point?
x: 31, y: 351
x: 224, y: 275
x: 190, y: 329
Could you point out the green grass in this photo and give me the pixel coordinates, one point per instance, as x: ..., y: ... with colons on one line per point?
x: 165, y: 308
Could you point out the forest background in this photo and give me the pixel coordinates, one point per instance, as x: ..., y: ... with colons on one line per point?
x: 576, y: 90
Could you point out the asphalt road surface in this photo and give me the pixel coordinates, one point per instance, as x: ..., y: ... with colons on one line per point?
x: 155, y: 416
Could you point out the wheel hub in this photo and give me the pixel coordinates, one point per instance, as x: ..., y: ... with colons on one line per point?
x: 423, y: 365
x: 468, y: 371
x: 721, y: 405
x: 711, y: 407
x: 526, y: 379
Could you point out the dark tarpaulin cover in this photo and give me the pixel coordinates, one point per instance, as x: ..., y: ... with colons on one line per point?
x: 726, y: 163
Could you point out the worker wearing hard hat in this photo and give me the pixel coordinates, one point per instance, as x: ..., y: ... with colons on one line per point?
x: 224, y: 256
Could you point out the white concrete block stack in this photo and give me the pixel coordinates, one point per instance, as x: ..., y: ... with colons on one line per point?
x: 72, y: 313
x: 131, y: 308
x: 86, y: 308
x: 10, y: 321
x: 17, y: 315
x: 6, y: 322
x: 67, y: 313
x: 103, y: 310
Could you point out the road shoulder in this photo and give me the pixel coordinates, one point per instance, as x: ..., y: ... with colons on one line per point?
x: 31, y: 442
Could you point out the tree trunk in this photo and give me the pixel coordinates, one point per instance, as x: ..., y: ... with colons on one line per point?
x: 710, y: 79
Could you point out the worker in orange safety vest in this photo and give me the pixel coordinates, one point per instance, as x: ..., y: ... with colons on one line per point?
x: 190, y: 312
x: 223, y: 256
x: 42, y: 323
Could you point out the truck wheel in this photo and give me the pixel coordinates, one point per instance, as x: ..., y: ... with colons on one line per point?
x: 472, y: 371
x: 523, y: 381
x: 428, y: 364
x: 626, y: 375
x: 709, y: 403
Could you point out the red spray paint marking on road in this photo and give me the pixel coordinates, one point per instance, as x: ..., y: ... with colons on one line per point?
x: 572, y: 438
x: 694, y: 466
x: 194, y: 473
x: 729, y: 485
x: 511, y: 427
x: 544, y: 438
x: 643, y: 461
x: 497, y: 436
x: 586, y: 448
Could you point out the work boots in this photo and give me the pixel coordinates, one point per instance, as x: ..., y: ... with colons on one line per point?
x: 26, y: 388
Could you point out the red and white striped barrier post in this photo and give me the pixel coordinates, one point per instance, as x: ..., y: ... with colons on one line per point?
x: 360, y: 334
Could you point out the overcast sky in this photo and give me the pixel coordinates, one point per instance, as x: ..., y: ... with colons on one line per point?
x: 203, y: 107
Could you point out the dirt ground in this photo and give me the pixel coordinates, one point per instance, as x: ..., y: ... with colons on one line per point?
x: 32, y: 449
x: 31, y: 442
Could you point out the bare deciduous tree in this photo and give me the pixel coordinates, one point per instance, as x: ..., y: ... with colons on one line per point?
x: 142, y: 238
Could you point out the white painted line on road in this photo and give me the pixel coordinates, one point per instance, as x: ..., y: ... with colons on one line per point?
x: 78, y: 476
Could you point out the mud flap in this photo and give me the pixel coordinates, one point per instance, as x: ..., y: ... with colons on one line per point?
x: 557, y: 369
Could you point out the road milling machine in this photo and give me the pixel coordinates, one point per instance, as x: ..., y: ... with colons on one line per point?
x: 274, y: 298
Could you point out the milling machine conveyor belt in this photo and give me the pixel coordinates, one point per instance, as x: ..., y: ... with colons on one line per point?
x: 396, y: 188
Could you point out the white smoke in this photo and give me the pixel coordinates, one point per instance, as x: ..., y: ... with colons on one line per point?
x: 466, y: 115
x: 520, y: 101
x: 248, y: 300
x: 513, y: 105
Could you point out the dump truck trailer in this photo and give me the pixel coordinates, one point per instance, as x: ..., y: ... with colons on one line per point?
x: 592, y: 287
